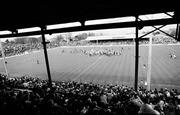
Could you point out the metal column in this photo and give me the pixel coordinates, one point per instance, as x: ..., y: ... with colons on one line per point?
x: 136, y: 55
x: 46, y: 55
x: 4, y: 60
x: 178, y: 32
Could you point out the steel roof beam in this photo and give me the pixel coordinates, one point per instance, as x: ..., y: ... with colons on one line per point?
x: 96, y: 27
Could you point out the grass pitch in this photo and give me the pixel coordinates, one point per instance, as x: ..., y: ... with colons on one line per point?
x: 101, y: 69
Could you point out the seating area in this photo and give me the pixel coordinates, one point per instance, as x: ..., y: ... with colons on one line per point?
x: 27, y: 95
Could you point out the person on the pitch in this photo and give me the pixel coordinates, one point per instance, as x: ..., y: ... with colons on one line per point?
x: 173, y: 56
x: 144, y: 66
x: 37, y: 61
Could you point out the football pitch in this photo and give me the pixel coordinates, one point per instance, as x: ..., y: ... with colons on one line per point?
x: 118, y: 69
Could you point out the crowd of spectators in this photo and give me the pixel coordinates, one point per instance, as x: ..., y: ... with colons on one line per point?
x: 98, y: 51
x: 16, y: 49
x: 159, y: 39
x: 11, y: 49
x: 28, y: 95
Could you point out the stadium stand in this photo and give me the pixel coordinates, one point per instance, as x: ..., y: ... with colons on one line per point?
x: 29, y: 95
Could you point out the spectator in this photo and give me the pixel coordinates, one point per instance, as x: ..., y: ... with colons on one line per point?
x: 29, y: 95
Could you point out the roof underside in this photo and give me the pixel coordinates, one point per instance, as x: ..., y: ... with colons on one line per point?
x: 25, y: 15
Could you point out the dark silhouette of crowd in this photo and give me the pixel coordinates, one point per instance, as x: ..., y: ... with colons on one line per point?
x: 28, y: 95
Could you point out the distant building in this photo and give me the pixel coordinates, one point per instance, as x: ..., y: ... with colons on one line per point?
x: 129, y: 37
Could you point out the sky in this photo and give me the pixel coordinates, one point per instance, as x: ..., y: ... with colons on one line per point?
x: 111, y: 32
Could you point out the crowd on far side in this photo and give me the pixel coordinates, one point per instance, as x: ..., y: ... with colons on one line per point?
x: 11, y: 49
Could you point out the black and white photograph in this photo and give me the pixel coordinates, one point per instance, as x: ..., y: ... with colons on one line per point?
x: 89, y: 58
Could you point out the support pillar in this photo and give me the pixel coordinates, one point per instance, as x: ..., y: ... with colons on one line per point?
x: 46, y: 55
x: 4, y: 60
x: 136, y: 55
x: 178, y: 32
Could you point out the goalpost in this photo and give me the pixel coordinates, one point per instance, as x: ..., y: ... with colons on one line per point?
x: 3, y: 57
x: 149, y: 64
